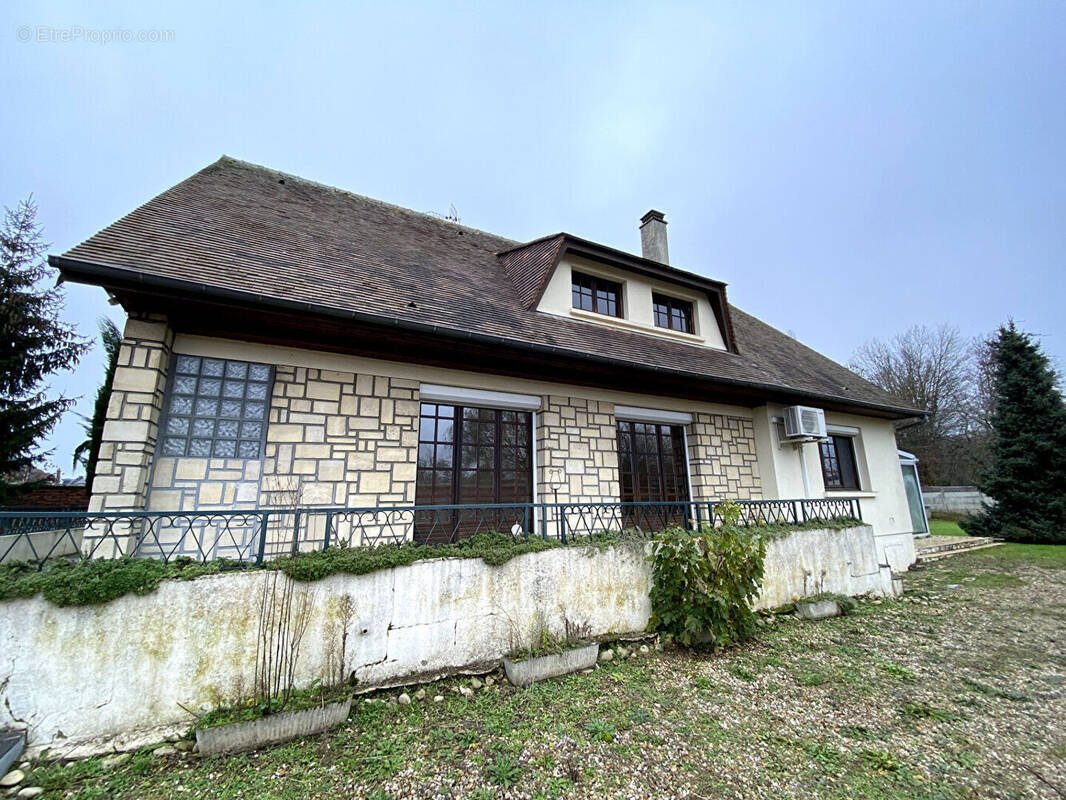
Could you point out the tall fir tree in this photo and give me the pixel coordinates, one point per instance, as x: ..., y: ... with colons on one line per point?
x: 34, y: 343
x: 1027, y: 475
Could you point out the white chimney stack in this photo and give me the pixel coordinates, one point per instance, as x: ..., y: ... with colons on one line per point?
x: 653, y: 237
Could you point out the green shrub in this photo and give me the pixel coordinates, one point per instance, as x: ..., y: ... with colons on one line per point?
x: 704, y: 582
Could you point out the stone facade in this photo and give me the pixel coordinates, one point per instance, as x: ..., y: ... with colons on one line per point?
x: 722, y: 459
x: 346, y: 440
x: 578, y: 437
x: 132, y: 426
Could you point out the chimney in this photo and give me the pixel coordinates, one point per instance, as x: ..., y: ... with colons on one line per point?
x: 653, y: 237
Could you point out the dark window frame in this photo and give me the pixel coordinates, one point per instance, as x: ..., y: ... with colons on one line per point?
x: 840, y: 464
x: 179, y: 370
x: 673, y: 309
x: 522, y: 420
x: 586, y: 288
x: 629, y: 455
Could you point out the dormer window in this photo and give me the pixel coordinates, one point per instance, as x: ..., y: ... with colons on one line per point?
x: 671, y: 313
x: 596, y: 294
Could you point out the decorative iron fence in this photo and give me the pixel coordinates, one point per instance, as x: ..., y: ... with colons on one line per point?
x: 254, y: 536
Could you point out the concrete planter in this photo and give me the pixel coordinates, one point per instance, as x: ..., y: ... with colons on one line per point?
x: 271, y: 729
x: 820, y: 609
x: 11, y: 746
x: 523, y: 673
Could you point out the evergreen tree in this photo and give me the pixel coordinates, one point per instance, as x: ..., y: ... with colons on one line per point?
x: 88, y: 451
x: 1027, y: 476
x: 34, y: 343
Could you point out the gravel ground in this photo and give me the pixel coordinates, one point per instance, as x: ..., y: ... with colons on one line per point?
x: 958, y: 690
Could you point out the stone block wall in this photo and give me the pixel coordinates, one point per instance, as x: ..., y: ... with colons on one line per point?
x: 132, y: 426
x: 722, y: 458
x: 341, y: 439
x: 579, y: 437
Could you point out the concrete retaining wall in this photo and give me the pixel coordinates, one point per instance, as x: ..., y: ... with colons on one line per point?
x: 120, y: 674
x: 960, y: 499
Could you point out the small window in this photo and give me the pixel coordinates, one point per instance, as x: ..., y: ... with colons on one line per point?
x: 596, y: 294
x: 672, y: 313
x: 838, y: 463
x: 216, y: 408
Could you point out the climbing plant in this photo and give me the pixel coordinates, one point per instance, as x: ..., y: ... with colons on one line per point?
x: 705, y: 581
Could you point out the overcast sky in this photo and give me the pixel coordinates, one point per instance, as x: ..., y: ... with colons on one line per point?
x: 850, y: 169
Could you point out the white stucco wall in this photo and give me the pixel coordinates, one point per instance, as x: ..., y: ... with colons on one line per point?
x: 882, y: 496
x: 121, y: 674
x: 636, y: 302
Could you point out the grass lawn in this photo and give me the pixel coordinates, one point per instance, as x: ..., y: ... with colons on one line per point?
x: 946, y: 693
x: 940, y: 527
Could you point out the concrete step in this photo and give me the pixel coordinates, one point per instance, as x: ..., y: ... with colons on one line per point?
x: 963, y: 545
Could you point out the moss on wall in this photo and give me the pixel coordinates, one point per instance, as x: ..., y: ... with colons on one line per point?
x: 94, y: 581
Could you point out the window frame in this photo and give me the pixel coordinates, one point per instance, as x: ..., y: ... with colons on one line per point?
x: 663, y: 432
x: 523, y: 419
x: 686, y: 309
x: 168, y: 412
x: 595, y: 285
x: 823, y: 457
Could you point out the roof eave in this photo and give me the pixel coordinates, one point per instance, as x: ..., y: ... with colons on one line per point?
x: 113, y: 277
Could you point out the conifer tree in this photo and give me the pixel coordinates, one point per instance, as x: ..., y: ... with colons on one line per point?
x: 1027, y: 474
x: 34, y: 343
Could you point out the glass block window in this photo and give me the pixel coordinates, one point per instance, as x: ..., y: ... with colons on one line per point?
x: 216, y: 408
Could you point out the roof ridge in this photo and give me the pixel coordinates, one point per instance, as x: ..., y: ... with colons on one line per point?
x: 531, y: 242
x: 363, y: 198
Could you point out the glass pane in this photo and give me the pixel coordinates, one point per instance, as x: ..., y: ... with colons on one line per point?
x: 203, y: 427
x: 236, y: 369
x: 200, y: 447
x: 173, y: 446
x: 234, y: 389
x: 254, y: 410
x: 209, y: 387
x: 444, y: 430
x: 184, y: 385
x: 259, y: 372
x: 425, y: 455
x: 252, y: 430
x: 444, y: 455
x: 206, y: 407
x: 228, y: 428
x: 213, y: 367
x: 180, y: 405
x: 178, y: 425
x: 187, y: 365
x: 257, y: 391
x: 225, y: 448
x: 914, y: 499
x: 248, y: 450
x: 231, y: 408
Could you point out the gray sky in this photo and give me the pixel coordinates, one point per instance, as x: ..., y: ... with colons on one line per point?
x: 850, y: 169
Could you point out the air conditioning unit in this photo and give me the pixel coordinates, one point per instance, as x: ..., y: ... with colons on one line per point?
x: 804, y: 422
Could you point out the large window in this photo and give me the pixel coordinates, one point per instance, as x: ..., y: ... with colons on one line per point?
x: 672, y: 313
x: 838, y: 463
x: 216, y: 408
x: 651, y: 465
x: 596, y: 294
x: 651, y: 462
x: 471, y: 456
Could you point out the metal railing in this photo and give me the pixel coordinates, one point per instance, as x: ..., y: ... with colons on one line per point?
x: 257, y: 535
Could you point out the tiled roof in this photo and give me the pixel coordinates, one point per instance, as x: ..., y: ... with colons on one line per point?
x: 246, y: 228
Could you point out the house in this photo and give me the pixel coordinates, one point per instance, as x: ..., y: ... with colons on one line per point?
x: 292, y: 344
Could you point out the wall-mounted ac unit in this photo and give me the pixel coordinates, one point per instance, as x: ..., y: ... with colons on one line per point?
x: 804, y: 422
